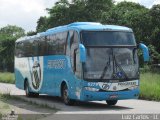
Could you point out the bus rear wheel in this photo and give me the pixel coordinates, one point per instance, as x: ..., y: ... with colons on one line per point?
x: 65, y: 96
x: 27, y: 91
x: 111, y: 102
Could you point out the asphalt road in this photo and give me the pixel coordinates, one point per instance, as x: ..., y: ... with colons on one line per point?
x: 98, y: 108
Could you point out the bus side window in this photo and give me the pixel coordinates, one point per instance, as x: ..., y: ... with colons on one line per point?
x: 61, y: 42
x: 19, y: 51
x: 73, y: 48
x: 51, y: 45
x: 27, y: 47
x: 42, y: 46
x: 35, y: 47
x: 67, y: 47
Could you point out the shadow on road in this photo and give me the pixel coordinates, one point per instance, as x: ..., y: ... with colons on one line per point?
x: 79, y: 106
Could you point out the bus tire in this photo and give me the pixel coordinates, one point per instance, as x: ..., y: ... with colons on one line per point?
x: 111, y: 102
x: 65, y: 96
x: 28, y: 93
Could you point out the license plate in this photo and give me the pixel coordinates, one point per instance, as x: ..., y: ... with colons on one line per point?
x: 113, y: 96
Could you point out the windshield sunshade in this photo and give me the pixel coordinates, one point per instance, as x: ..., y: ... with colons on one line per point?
x: 105, y: 38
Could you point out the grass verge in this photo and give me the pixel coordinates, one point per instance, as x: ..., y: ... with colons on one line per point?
x: 24, y: 110
x: 7, y: 77
x: 150, y: 86
x: 7, y: 96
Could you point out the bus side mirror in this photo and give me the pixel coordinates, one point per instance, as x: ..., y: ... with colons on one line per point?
x: 82, y: 50
x: 145, y: 51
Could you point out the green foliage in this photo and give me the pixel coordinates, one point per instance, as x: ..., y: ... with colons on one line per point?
x: 154, y: 55
x: 78, y: 10
x: 150, y: 86
x: 30, y: 33
x: 11, y: 32
x: 155, y: 28
x: 155, y: 14
x: 7, y: 77
x: 8, y: 35
x: 145, y: 69
x: 119, y: 13
x: 42, y: 24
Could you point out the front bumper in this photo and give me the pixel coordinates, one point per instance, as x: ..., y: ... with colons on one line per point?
x: 118, y: 95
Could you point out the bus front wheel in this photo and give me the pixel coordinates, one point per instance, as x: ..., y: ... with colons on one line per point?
x: 65, y: 96
x: 111, y: 102
x: 28, y: 93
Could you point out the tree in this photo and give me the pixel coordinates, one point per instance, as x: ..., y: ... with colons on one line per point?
x: 42, y: 24
x: 118, y: 12
x: 65, y: 12
x: 155, y: 29
x: 95, y: 11
x: 30, y: 33
x: 8, y: 35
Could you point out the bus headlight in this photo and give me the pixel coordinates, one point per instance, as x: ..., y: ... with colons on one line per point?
x: 91, y: 89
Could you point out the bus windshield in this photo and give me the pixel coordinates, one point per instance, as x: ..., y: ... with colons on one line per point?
x: 105, y: 38
x: 106, y: 60
x: 111, y: 63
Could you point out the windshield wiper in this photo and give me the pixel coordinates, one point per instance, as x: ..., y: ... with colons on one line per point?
x: 115, y: 66
x: 120, y: 67
x: 105, y: 68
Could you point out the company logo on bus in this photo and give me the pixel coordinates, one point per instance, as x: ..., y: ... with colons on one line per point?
x: 36, y: 75
x: 105, y: 86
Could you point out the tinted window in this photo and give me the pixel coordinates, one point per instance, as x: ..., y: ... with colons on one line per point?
x: 35, y: 50
x: 28, y: 49
x: 57, y: 43
x: 19, y: 52
x: 62, y: 38
x: 102, y: 38
x: 42, y: 46
x: 51, y: 44
x: 73, y: 48
x: 48, y: 45
x: 24, y: 49
x: 73, y: 38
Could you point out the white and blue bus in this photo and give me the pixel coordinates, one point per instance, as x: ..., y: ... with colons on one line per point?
x: 81, y: 61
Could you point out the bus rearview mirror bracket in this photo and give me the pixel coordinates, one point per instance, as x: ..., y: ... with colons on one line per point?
x: 145, y: 51
x: 82, y: 50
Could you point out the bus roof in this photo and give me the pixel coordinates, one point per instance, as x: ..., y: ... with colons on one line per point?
x: 79, y: 26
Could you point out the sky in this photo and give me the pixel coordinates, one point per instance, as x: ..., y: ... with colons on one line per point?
x: 25, y: 13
